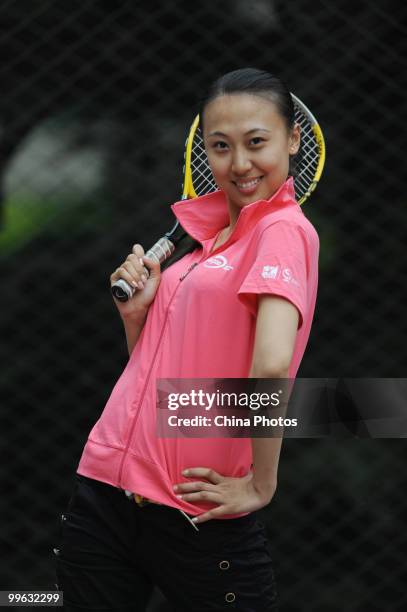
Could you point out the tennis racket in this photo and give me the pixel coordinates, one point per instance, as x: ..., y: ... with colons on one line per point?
x: 198, y: 181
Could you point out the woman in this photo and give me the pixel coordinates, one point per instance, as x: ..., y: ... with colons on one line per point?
x: 239, y: 304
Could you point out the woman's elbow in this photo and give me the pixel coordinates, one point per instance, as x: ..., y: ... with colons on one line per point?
x: 271, y: 370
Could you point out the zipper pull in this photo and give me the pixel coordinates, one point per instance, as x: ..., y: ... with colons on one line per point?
x: 188, y: 271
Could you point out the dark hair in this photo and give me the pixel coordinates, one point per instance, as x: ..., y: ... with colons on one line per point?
x: 256, y: 82
x: 250, y: 81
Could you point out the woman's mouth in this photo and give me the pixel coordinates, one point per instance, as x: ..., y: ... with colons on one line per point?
x: 248, y: 186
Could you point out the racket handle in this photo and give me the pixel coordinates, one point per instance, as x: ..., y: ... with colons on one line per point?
x: 159, y: 252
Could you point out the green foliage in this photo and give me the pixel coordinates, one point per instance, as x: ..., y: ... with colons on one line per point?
x: 28, y: 216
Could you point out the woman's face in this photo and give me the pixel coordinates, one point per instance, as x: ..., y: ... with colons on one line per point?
x: 248, y: 147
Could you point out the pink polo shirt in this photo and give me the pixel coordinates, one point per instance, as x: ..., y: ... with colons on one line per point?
x: 202, y: 325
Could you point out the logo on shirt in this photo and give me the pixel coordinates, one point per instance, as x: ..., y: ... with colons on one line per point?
x: 270, y: 271
x: 274, y: 272
x: 288, y: 277
x: 219, y: 261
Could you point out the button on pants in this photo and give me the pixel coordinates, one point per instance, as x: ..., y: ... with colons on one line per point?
x: 111, y: 553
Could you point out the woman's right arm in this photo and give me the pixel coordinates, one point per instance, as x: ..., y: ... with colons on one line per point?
x: 133, y: 327
x: 134, y: 312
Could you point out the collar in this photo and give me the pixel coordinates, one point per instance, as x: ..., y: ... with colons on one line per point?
x: 203, y: 217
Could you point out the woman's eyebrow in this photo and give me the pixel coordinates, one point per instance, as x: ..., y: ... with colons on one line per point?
x: 257, y: 130
x: 217, y: 133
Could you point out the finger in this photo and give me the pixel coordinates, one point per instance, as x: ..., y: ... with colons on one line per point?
x: 138, y: 264
x: 141, y: 271
x: 138, y: 250
x: 212, y: 514
x: 193, y: 486
x: 203, y: 472
x: 126, y: 276
x: 153, y: 267
x: 138, y: 276
x: 209, y: 496
x: 136, y: 261
x: 132, y: 268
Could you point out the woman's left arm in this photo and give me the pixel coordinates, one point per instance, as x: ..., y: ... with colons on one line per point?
x: 276, y: 329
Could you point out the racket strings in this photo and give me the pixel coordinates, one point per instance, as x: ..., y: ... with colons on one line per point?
x: 305, y: 163
x: 202, y: 178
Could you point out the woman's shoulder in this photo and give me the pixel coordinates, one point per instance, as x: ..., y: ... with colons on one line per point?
x: 287, y: 220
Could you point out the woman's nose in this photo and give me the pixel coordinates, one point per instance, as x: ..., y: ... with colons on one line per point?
x: 240, y: 163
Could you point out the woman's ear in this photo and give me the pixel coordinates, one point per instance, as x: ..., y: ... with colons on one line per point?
x: 294, y: 140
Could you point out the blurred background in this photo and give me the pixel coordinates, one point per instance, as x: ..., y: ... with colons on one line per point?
x: 96, y: 100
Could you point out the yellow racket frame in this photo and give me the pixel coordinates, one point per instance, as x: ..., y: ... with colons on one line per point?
x: 189, y: 191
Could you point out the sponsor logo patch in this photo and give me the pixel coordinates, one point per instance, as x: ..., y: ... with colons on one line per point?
x: 270, y: 271
x: 288, y: 277
x: 274, y: 272
x: 218, y: 261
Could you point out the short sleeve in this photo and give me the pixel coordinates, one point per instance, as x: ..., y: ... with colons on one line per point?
x: 279, y: 268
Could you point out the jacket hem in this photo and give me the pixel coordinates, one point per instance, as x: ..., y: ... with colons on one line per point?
x: 102, y: 462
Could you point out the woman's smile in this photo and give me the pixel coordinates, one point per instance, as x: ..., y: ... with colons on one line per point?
x: 247, y: 186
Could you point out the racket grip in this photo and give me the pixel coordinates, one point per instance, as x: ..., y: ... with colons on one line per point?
x: 159, y: 252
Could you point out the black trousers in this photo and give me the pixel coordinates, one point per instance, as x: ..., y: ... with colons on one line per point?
x: 111, y: 553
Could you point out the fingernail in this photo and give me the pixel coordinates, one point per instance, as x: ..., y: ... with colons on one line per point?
x: 140, y: 285
x: 134, y: 283
x: 185, y: 472
x: 141, y: 262
x: 195, y: 519
x: 179, y: 496
x: 175, y: 487
x: 143, y: 278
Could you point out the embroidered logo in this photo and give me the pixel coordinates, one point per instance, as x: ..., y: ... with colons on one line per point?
x: 288, y: 277
x: 219, y: 261
x: 270, y: 271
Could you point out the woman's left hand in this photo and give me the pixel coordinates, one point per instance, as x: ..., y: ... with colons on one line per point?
x: 233, y: 495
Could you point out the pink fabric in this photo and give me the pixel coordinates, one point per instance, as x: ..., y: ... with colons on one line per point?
x: 203, y: 327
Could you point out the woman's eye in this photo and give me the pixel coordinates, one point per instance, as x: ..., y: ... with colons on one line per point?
x: 219, y: 145
x: 256, y: 140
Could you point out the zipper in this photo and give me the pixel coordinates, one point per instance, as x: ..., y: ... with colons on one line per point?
x: 145, y: 386
x: 227, y: 241
x: 191, y: 267
x: 181, y: 278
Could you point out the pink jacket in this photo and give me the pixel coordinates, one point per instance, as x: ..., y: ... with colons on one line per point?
x: 201, y: 325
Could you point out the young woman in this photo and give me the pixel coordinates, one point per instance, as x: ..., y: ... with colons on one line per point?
x: 239, y: 304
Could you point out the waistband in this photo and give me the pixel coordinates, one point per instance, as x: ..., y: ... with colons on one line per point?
x: 139, y: 499
x: 143, y: 501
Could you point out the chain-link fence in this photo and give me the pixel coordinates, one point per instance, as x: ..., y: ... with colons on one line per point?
x: 97, y: 97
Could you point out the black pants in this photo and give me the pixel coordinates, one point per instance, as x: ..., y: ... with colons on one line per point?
x: 112, y: 552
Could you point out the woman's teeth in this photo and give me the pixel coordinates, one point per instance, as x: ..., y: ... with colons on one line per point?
x: 248, y: 185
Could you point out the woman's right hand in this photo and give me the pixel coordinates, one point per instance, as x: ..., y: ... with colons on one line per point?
x: 133, y: 272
